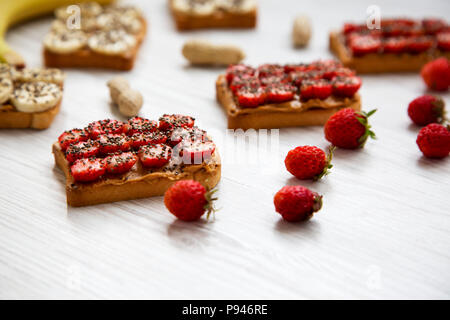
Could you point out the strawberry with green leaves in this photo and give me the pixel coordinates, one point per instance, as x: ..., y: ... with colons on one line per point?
x: 297, y: 203
x: 308, y: 162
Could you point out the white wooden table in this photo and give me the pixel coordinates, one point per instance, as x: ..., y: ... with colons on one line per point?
x: 383, y: 232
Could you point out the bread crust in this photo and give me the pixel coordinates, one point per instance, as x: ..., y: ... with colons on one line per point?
x: 380, y: 63
x: 138, y: 183
x: 288, y: 114
x: 217, y: 19
x: 10, y: 118
x: 86, y: 58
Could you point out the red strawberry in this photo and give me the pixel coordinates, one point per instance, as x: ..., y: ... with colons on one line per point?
x: 395, y: 45
x: 244, y: 81
x: 171, y: 121
x: 86, y: 170
x: 270, y: 70
x: 297, y: 203
x: 138, y: 124
x: 436, y: 74
x: 105, y: 126
x: 443, y: 41
x: 433, y: 26
x: 434, y: 141
x: 308, y: 162
x: 331, y: 73
x: 280, y: 92
x: 325, y: 64
x: 110, y: 143
x: 72, y: 136
x: 196, y: 152
x: 315, y: 89
x: 351, y: 27
x: 297, y: 77
x: 83, y: 149
x: 188, y: 200
x: 346, y: 86
x: 362, y: 45
x: 426, y: 109
x: 120, y: 163
x: 238, y: 70
x: 251, y: 97
x: 155, y: 156
x: 145, y: 138
x: 419, y: 44
x: 187, y: 134
x: 349, y: 129
x: 268, y: 81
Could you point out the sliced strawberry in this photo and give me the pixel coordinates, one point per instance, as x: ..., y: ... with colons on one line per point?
x: 325, y: 64
x: 120, y: 163
x: 351, y: 27
x: 395, y: 30
x: 332, y: 72
x: 146, y: 138
x: 419, y: 44
x: 364, y: 45
x: 138, y: 124
x: 198, y: 151
x: 72, y: 136
x: 243, y: 81
x: 280, y: 92
x: 83, y: 149
x: 270, y: 70
x: 433, y: 26
x: 171, y: 121
x: 315, y: 89
x: 395, y: 45
x: 296, y: 67
x: 443, y: 41
x: 105, y: 126
x: 111, y: 143
x: 155, y: 156
x: 296, y: 77
x: 346, y: 86
x: 238, y: 70
x: 267, y: 81
x: 86, y: 170
x: 187, y: 134
x: 250, y: 97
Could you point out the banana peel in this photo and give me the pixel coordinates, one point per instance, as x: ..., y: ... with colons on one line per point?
x: 17, y: 11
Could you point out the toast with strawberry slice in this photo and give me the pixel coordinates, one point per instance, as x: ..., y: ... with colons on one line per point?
x: 399, y: 45
x: 29, y: 98
x: 108, y: 37
x: 275, y: 96
x: 206, y: 14
x: 110, y: 160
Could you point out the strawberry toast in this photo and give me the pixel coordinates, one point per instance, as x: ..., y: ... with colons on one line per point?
x: 400, y: 45
x: 275, y: 96
x: 107, y: 37
x: 204, y: 14
x: 29, y: 98
x: 110, y: 160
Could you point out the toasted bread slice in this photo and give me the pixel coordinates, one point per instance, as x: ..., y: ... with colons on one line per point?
x: 137, y: 183
x: 217, y: 19
x: 287, y: 114
x: 11, y: 118
x: 86, y: 58
x: 380, y: 62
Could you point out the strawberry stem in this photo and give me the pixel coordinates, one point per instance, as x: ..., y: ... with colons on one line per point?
x: 328, y: 164
x: 209, y: 206
x: 364, y: 120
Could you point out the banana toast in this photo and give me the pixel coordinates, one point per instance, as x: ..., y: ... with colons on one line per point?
x: 201, y: 14
x: 108, y: 37
x: 275, y: 96
x: 112, y: 161
x: 29, y: 98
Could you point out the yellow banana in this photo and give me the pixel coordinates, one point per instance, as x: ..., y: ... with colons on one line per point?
x: 15, y: 11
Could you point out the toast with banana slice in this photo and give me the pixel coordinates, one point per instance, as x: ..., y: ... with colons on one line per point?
x: 205, y: 14
x: 106, y: 37
x: 29, y: 98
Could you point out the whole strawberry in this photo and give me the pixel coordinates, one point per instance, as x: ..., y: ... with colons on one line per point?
x: 188, y: 200
x: 348, y: 128
x: 436, y: 74
x: 434, y: 141
x: 308, y: 162
x: 297, y: 203
x: 426, y: 109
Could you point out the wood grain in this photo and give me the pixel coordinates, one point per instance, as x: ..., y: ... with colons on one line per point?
x: 383, y: 232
